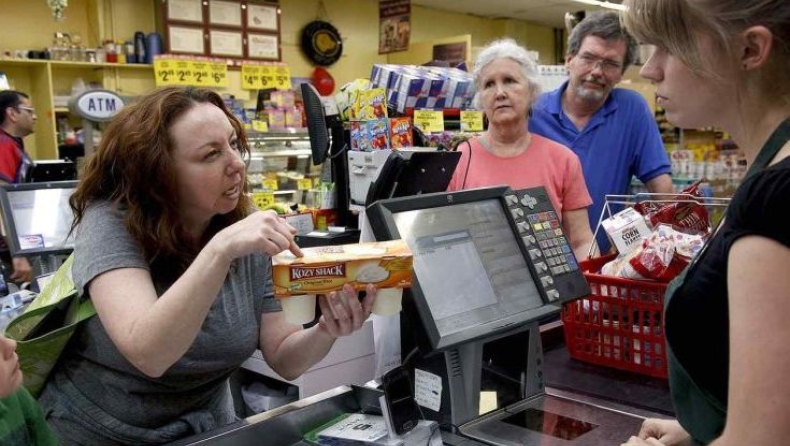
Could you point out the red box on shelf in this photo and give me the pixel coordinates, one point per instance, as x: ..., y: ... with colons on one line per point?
x: 620, y: 324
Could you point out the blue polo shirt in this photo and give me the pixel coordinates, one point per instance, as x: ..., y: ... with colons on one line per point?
x: 620, y: 141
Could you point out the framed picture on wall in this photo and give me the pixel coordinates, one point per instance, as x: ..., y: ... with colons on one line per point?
x: 263, y: 46
x: 185, y: 11
x: 233, y: 30
x: 263, y: 17
x: 226, y: 43
x: 225, y: 13
x: 182, y: 39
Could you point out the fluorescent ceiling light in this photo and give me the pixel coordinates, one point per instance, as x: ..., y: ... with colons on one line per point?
x: 602, y: 4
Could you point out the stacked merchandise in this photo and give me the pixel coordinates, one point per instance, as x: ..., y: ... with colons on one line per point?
x: 281, y: 110
x: 372, y: 129
x: 416, y: 87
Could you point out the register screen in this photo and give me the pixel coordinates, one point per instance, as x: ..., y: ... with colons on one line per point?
x: 41, y: 218
x: 468, y: 263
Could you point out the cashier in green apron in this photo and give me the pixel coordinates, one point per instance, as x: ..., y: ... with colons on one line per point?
x: 724, y: 63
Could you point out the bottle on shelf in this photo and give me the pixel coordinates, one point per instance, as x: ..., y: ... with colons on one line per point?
x: 139, y: 47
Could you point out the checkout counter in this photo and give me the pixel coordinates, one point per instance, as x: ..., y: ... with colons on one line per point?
x: 588, y: 389
x: 484, y: 368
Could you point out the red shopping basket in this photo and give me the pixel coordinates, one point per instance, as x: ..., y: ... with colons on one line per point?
x: 620, y: 324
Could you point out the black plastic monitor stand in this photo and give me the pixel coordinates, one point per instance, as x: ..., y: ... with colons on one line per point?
x: 339, y: 171
x: 420, y: 173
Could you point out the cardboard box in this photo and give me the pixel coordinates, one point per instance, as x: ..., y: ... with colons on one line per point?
x: 626, y: 229
x: 327, y: 268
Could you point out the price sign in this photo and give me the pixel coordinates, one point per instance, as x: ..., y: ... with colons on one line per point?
x: 218, y: 74
x: 251, y: 77
x: 260, y: 126
x: 282, y: 78
x: 190, y: 72
x: 184, y: 73
x: 304, y: 184
x: 200, y: 74
x: 429, y: 121
x: 165, y: 72
x: 271, y: 184
x: 262, y: 200
x: 268, y: 76
x: 471, y: 121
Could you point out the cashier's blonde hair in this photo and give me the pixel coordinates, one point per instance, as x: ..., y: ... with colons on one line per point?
x: 133, y: 168
x: 678, y: 26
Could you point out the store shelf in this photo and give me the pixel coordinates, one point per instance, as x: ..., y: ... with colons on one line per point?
x: 273, y: 154
x: 73, y: 64
x: 124, y: 66
x: 43, y: 80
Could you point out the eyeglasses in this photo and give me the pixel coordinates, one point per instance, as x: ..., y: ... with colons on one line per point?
x: 609, y: 67
x: 30, y: 110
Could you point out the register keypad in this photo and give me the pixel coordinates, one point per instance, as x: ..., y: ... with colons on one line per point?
x: 540, y: 230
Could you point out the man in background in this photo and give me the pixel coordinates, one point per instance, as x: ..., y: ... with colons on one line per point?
x: 612, y: 131
x: 17, y: 119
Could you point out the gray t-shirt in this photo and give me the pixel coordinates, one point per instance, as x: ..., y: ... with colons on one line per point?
x: 96, y: 388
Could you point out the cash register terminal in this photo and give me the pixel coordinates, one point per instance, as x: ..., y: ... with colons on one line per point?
x: 36, y: 221
x: 489, y: 265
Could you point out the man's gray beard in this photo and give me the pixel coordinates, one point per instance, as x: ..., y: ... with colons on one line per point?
x: 588, y: 95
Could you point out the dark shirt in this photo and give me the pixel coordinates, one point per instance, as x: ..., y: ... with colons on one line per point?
x: 697, y: 317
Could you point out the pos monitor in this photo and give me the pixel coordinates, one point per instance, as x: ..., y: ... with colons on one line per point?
x: 37, y: 217
x: 474, y: 273
x: 489, y: 265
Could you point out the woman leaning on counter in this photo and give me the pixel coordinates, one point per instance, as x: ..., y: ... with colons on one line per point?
x: 177, y: 265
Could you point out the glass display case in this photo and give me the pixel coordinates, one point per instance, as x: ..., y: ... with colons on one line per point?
x: 280, y: 163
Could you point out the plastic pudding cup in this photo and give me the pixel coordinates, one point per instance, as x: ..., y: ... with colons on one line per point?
x: 299, y: 309
x: 388, y: 301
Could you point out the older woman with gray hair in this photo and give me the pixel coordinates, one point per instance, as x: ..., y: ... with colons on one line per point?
x: 505, y: 76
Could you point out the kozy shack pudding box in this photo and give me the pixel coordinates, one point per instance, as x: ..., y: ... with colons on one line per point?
x: 327, y: 268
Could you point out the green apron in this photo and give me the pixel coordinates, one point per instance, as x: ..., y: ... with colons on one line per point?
x: 698, y: 411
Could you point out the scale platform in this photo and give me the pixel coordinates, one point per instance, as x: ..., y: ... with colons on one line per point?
x: 549, y: 420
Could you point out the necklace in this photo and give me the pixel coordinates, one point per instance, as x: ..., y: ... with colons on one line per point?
x: 511, y: 150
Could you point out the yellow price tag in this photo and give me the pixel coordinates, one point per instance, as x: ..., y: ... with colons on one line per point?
x: 268, y: 77
x: 218, y: 74
x: 260, y: 126
x: 251, y: 77
x: 429, y: 121
x: 262, y: 200
x: 184, y: 73
x: 165, y: 72
x: 201, y: 74
x: 316, y: 181
x: 471, y: 121
x: 271, y: 184
x: 282, y: 78
x: 304, y: 184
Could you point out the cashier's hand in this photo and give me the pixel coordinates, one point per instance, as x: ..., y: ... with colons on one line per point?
x: 261, y: 231
x: 342, y: 313
x: 656, y: 432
